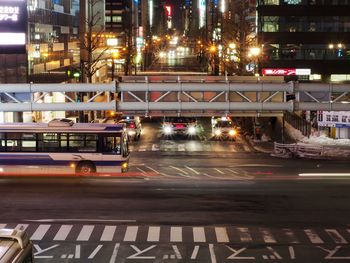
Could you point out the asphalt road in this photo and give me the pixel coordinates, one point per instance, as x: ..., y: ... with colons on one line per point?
x: 190, y: 205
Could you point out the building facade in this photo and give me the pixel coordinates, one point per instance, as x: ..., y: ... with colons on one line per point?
x: 306, y: 34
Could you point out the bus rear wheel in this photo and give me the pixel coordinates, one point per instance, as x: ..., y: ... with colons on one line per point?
x: 85, y: 168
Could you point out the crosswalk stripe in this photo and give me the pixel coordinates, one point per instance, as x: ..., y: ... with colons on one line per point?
x: 244, y: 234
x: 314, y: 238
x: 40, y: 232
x: 336, y: 236
x: 221, y: 235
x: 131, y: 233
x: 176, y: 234
x: 142, y: 148
x: 155, y: 147
x: 108, y: 233
x: 198, y: 234
x: 63, y: 232
x: 291, y: 236
x: 153, y: 234
x: 181, y: 147
x: 176, y: 168
x: 22, y: 227
x: 85, y: 233
x: 267, y: 236
x: 192, y: 170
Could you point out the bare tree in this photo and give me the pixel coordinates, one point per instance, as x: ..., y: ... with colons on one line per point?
x: 92, y: 29
x: 239, y: 28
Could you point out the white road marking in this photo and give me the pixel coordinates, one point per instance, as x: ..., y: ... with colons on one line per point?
x: 219, y: 171
x: 93, y: 254
x: 314, y: 238
x: 40, y: 232
x: 85, y: 233
x: 221, y: 235
x: 192, y: 170
x: 131, y: 233
x: 195, y: 252
x: 177, y: 252
x: 291, y: 236
x: 336, y: 236
x: 108, y: 233
x: 232, y: 171
x: 324, y: 174
x: 267, y: 236
x: 142, y: 148
x: 155, y: 147
x: 81, y: 220
x: 154, y: 170
x: 198, y: 234
x: 63, y: 232
x: 178, y: 169
x: 212, y: 253
x: 176, y: 234
x: 2, y: 226
x: 153, y: 234
x: 21, y: 227
x: 142, y: 171
x: 181, y: 147
x: 115, y: 253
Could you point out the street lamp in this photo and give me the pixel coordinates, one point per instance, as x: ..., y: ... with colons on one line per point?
x: 115, y: 55
x: 254, y: 52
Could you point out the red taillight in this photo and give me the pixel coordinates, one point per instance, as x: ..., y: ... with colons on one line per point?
x: 132, y: 125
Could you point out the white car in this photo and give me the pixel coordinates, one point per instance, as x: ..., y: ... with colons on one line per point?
x: 223, y: 128
x: 180, y: 126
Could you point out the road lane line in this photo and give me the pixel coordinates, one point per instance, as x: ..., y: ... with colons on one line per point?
x: 195, y: 252
x: 219, y: 171
x: 178, y: 169
x: 115, y: 253
x: 336, y: 236
x: 40, y: 232
x: 63, y: 232
x: 22, y: 227
x: 93, y: 254
x: 131, y: 233
x: 192, y: 170
x: 324, y: 174
x: 153, y: 234
x: 291, y: 236
x: 314, y: 238
x: 212, y: 253
x: 198, y: 234
x: 244, y: 234
x: 154, y: 170
x: 232, y: 171
x: 176, y: 234
x: 267, y: 236
x: 142, y: 171
x: 85, y: 233
x: 221, y: 235
x: 108, y: 233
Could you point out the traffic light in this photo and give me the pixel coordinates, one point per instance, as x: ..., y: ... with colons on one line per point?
x: 73, y: 73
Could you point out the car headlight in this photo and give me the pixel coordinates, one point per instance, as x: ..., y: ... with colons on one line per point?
x: 131, y: 132
x: 167, y: 129
x: 192, y: 130
x: 232, y: 132
x: 217, y: 132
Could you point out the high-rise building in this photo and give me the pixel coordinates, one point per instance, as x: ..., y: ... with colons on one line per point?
x: 38, y: 40
x: 306, y: 34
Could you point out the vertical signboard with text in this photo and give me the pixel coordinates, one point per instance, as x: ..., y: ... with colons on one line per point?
x: 13, y: 26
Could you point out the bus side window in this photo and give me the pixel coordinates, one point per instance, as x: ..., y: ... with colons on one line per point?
x: 111, y: 144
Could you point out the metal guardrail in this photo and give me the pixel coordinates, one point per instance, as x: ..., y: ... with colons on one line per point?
x: 298, y: 150
x: 298, y: 123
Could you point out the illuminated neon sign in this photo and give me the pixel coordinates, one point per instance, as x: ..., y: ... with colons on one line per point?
x: 9, y: 13
x: 202, y: 11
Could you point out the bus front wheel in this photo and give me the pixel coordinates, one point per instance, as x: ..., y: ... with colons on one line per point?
x: 86, y: 168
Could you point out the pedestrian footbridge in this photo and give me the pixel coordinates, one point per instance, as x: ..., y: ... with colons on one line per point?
x: 185, y: 95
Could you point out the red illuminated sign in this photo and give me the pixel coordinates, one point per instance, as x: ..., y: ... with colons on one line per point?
x: 168, y: 10
x: 285, y: 71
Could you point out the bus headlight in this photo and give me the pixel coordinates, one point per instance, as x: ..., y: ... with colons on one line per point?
x: 125, y: 167
x: 192, y: 130
x: 167, y: 130
x: 217, y: 132
x: 232, y: 132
